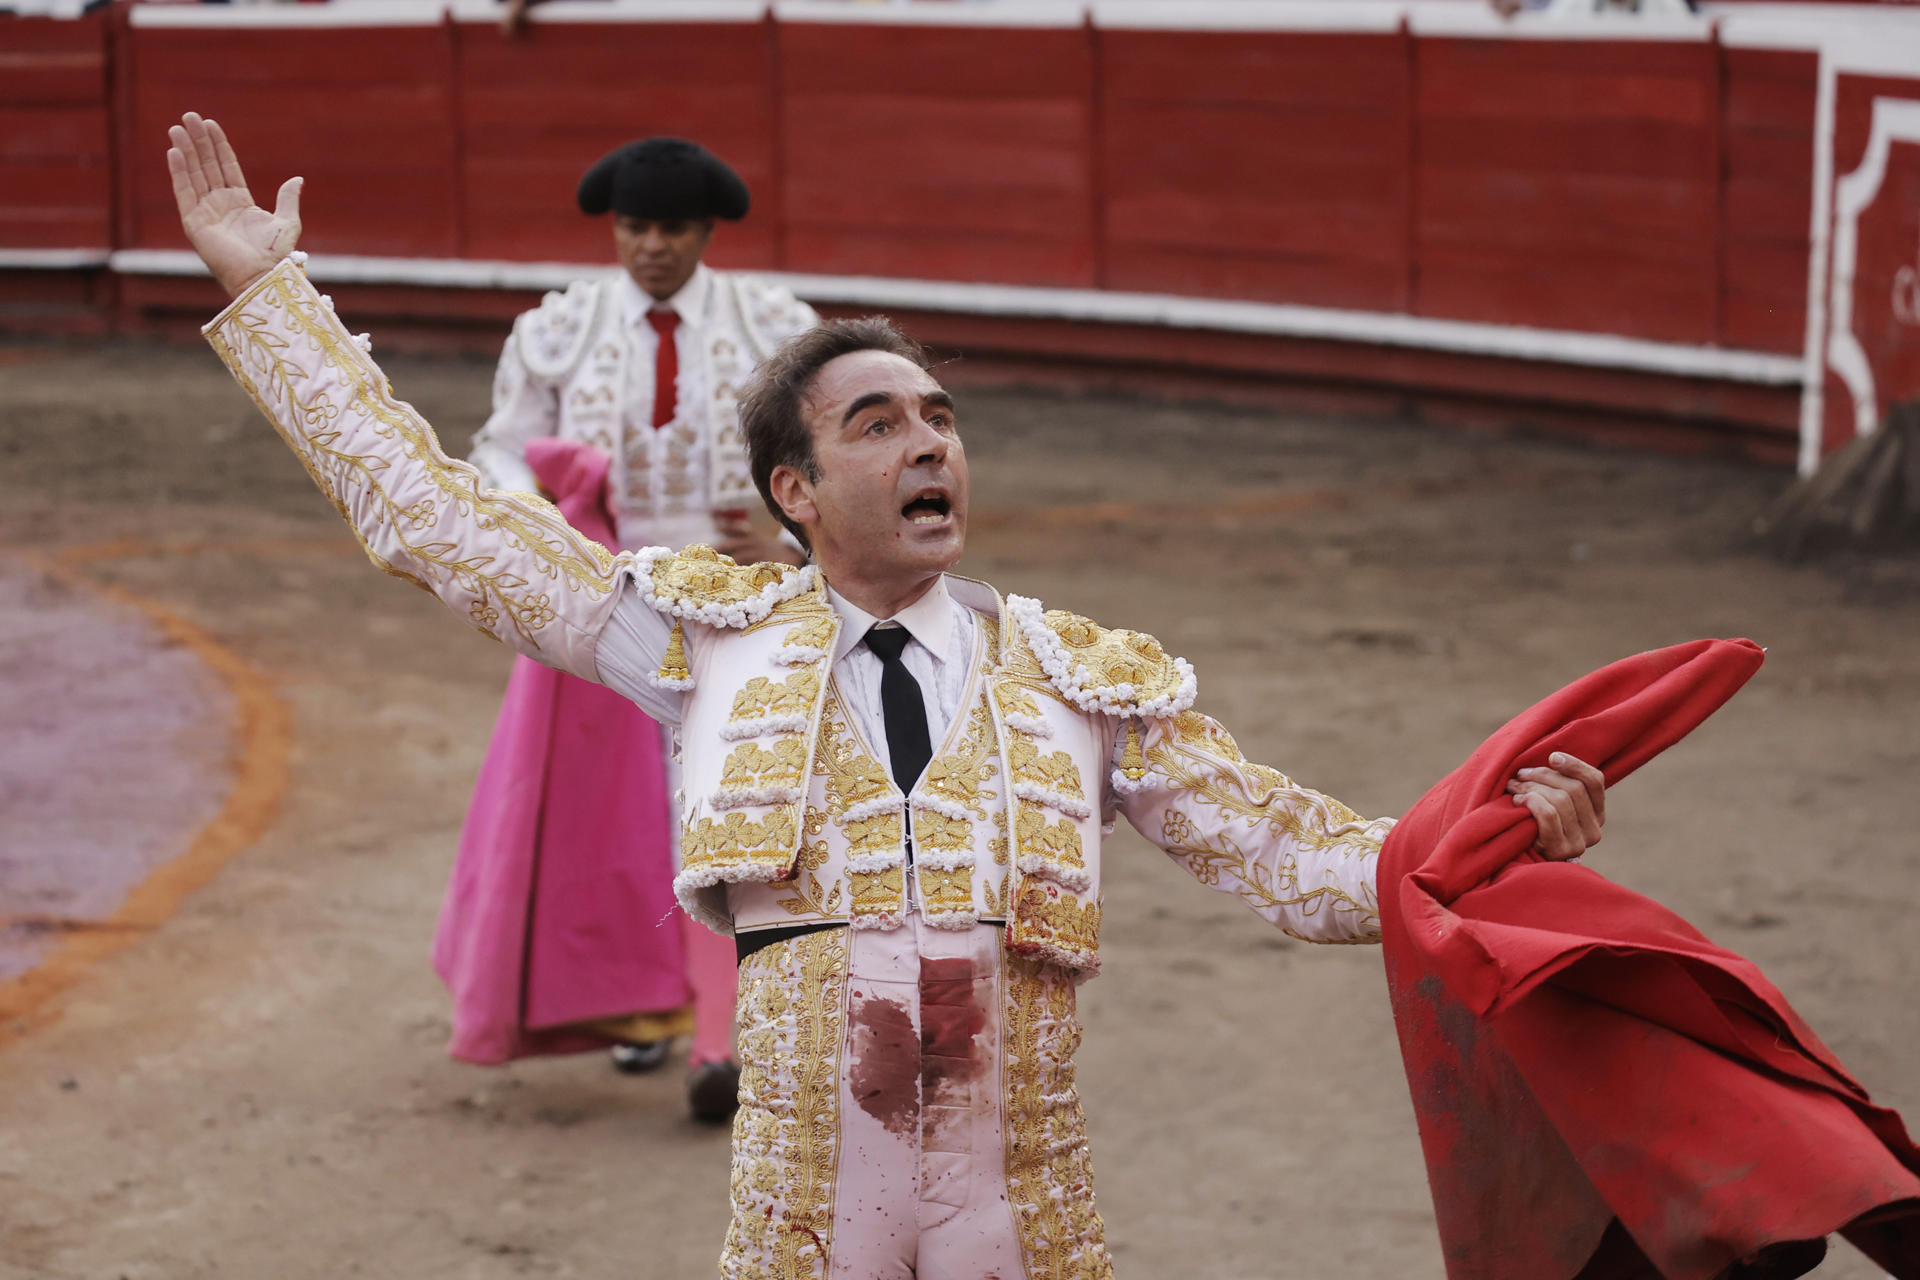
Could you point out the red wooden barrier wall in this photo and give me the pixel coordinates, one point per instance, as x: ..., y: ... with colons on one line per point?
x: 1261, y: 165
x: 1650, y: 189
x: 56, y: 173
x: 535, y: 110
x: 954, y: 153
x: 1766, y: 196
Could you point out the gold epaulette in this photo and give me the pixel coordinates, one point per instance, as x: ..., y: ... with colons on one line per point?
x: 1119, y: 673
x: 701, y: 585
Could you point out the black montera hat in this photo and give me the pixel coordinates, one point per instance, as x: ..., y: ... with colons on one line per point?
x: 664, y: 178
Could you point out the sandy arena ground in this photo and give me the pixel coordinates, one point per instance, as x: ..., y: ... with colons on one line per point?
x: 255, y: 1087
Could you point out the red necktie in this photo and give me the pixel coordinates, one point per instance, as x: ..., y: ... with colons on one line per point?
x: 666, y: 366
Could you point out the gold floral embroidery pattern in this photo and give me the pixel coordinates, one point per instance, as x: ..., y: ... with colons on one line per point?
x: 1116, y: 657
x: 307, y: 415
x: 994, y: 887
x: 858, y: 784
x: 1049, y: 1168
x: 737, y: 840
x: 804, y: 895
x: 960, y: 778
x: 1049, y: 924
x: 750, y: 767
x: 764, y: 698
x: 1053, y: 846
x: 875, y: 894
x: 786, y: 1133
x: 1202, y: 765
x: 1054, y: 771
x: 702, y: 576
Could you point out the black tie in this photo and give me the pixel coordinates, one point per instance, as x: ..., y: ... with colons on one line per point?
x: 906, y: 715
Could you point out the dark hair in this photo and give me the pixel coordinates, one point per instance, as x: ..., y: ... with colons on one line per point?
x: 772, y: 411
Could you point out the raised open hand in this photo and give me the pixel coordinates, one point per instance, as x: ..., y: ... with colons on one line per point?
x: 237, y: 239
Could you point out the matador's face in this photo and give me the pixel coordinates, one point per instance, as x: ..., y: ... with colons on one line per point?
x: 660, y: 253
x: 889, y: 500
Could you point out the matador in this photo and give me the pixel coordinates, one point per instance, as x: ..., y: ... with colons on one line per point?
x: 895, y: 780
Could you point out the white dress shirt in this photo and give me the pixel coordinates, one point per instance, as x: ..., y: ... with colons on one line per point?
x: 938, y: 657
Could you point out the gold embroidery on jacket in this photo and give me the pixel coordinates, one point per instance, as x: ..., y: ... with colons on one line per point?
x: 1055, y: 771
x: 1201, y: 762
x: 856, y: 781
x: 765, y: 698
x: 1053, y: 924
x: 257, y: 356
x: 805, y: 895
x: 699, y: 575
x: 752, y: 767
x: 1056, y: 844
x: 735, y: 839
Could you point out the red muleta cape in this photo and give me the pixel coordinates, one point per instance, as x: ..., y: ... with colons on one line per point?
x: 1603, y: 1093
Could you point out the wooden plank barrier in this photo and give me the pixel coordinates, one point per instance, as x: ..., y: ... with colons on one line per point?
x: 1629, y: 218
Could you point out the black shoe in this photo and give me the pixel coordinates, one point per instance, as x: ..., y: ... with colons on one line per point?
x: 713, y: 1092
x: 638, y: 1059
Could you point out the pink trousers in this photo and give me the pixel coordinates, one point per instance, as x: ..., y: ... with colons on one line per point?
x: 908, y: 1112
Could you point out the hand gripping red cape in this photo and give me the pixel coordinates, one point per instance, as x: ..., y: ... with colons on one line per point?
x: 1602, y: 1092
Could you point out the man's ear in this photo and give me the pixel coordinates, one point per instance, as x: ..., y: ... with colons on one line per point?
x: 794, y: 494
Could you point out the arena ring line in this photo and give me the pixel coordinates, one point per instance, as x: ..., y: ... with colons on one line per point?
x: 259, y: 742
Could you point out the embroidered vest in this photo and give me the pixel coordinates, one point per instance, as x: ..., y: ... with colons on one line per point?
x: 789, y: 816
x: 575, y: 340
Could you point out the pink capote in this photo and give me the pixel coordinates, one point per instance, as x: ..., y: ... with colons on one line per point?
x: 560, y: 909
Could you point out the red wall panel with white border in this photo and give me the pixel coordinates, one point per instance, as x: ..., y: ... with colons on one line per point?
x: 948, y: 153
x: 365, y: 114
x: 1567, y: 185
x: 1261, y: 165
x: 1872, y: 355
x: 56, y: 174
x: 536, y: 109
x: 1766, y: 196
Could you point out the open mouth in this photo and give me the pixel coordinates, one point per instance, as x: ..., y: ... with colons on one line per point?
x: 927, y: 508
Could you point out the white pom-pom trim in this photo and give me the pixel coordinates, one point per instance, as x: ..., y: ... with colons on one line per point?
x: 951, y: 919
x: 889, y: 803
x: 740, y: 614
x: 1123, y: 785
x: 772, y: 724
x: 1083, y: 964
x: 1032, y: 726
x: 1074, y: 878
x: 877, y: 920
x: 1053, y: 799
x: 797, y: 655
x: 867, y: 864
x: 750, y: 796
x: 687, y: 886
x: 298, y: 257
x: 1071, y: 678
x: 941, y: 805
x: 677, y: 684
x: 943, y: 859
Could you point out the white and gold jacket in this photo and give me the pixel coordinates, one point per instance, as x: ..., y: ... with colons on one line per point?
x: 577, y: 367
x: 789, y: 817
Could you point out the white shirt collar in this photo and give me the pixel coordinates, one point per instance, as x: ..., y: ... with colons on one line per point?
x: 928, y: 620
x: 691, y: 302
